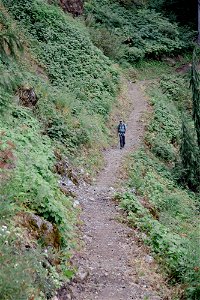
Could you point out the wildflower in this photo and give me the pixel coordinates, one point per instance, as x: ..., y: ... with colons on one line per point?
x: 4, y: 228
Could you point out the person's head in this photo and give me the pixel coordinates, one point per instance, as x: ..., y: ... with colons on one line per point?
x: 121, y: 121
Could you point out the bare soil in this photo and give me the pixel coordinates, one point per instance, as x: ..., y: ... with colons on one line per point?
x: 114, y: 264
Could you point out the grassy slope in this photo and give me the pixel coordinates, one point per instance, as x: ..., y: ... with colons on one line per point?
x: 84, y: 82
x: 76, y: 86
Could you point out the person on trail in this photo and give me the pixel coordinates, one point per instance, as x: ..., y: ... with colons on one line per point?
x: 121, y: 129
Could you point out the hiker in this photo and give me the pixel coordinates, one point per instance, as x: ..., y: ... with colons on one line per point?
x: 121, y: 129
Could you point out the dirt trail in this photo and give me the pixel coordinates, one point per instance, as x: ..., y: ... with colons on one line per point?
x: 113, y: 157
x: 113, y: 265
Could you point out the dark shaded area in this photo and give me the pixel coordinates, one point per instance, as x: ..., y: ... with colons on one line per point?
x: 183, y: 11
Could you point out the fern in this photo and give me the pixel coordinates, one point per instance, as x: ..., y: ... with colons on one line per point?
x: 10, y: 45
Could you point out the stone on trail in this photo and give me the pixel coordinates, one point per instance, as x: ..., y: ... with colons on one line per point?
x: 82, y: 274
x: 149, y: 259
x: 76, y: 204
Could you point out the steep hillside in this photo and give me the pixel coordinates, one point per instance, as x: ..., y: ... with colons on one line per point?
x: 55, y: 96
x: 58, y: 86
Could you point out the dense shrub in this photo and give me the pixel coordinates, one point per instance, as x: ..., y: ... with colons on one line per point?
x: 28, y: 183
x: 161, y: 150
x: 164, y: 129
x: 33, y: 183
x: 170, y: 224
x: 82, y: 81
x: 108, y: 42
x: 176, y: 88
x: 70, y: 58
x: 178, y: 10
x: 142, y: 32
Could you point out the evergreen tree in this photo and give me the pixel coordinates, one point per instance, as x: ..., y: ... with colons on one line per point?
x: 194, y: 83
x: 190, y: 166
x: 190, y: 138
x: 199, y: 22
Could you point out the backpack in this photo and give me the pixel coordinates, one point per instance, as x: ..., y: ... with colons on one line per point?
x: 121, y: 128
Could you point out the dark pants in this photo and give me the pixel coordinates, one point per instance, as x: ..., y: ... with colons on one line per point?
x: 122, y: 140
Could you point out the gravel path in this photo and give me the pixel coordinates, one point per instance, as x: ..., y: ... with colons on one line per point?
x: 113, y: 157
x: 113, y: 264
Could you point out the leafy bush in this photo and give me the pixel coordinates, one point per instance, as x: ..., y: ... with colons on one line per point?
x: 167, y: 246
x: 143, y: 32
x: 108, y: 42
x: 130, y: 203
x: 75, y: 62
x: 28, y: 183
x: 175, y: 87
x: 164, y: 129
x: 33, y: 183
x: 161, y: 150
x: 133, y: 54
x: 82, y: 81
x: 170, y: 234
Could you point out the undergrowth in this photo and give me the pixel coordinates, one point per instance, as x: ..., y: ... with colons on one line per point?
x: 76, y: 86
x: 165, y: 211
x: 134, y: 33
x: 28, y: 184
x: 70, y: 58
x: 75, y: 102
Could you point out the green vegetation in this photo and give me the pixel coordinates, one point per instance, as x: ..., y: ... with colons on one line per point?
x: 134, y: 33
x: 8, y: 39
x: 188, y: 168
x: 74, y: 87
x: 28, y: 183
x: 195, y: 79
x: 57, y: 90
x: 166, y: 212
x: 178, y: 10
x: 82, y: 81
x: 70, y: 58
